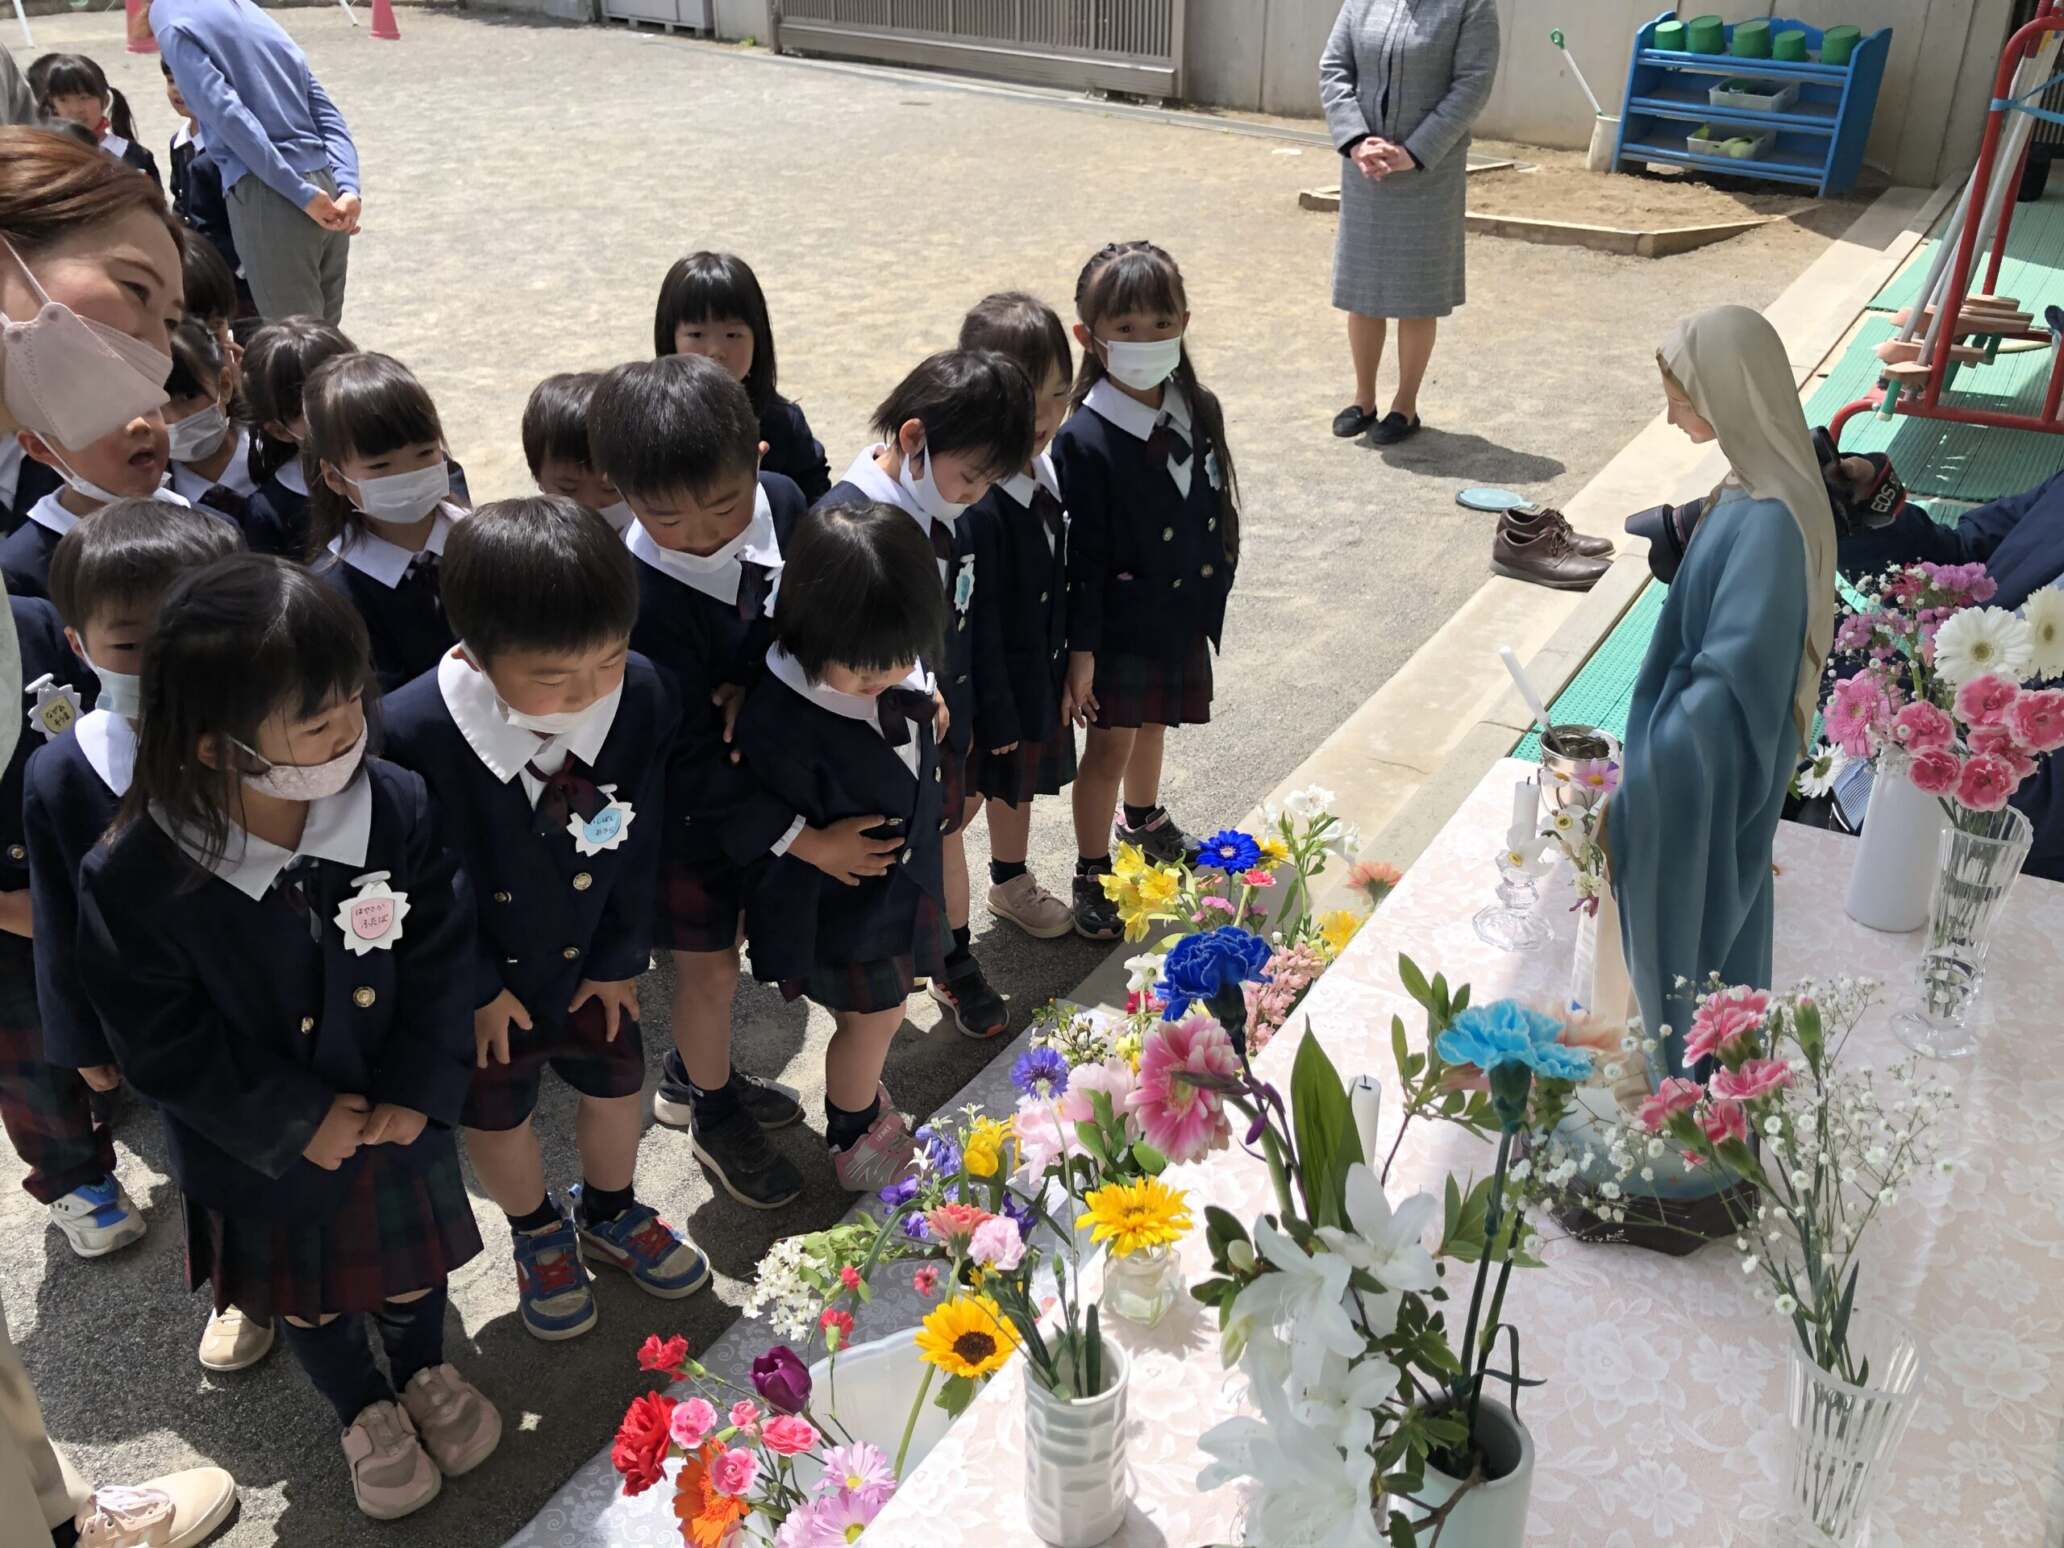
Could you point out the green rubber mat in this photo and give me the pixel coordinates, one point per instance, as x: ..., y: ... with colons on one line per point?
x: 2033, y: 273
x: 1600, y: 693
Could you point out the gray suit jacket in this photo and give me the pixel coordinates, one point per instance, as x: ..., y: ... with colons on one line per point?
x: 1416, y: 72
x: 17, y: 106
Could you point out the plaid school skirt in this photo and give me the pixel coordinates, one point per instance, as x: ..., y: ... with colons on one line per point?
x: 396, y: 1231
x: 883, y: 984
x: 574, y: 1047
x: 1134, y: 691
x: 700, y: 904
x: 46, y: 1108
x: 1028, y: 769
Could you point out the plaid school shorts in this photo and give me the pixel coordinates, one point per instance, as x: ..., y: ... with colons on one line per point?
x: 1028, y: 769
x: 1136, y: 691
x: 44, y: 1107
x: 884, y: 983
x: 700, y: 904
x: 579, y: 1052
x: 398, y: 1230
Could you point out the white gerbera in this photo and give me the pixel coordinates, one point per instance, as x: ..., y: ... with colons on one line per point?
x: 1818, y: 777
x: 2044, y: 614
x: 1979, y: 641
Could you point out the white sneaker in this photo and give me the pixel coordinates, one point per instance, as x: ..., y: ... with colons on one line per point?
x: 234, y: 1342
x: 460, y: 1428
x: 391, y: 1474
x: 98, y: 1219
x: 179, y: 1510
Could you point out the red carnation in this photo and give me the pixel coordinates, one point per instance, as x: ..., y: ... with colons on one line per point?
x: 667, y: 1358
x: 833, y: 1318
x: 641, y: 1441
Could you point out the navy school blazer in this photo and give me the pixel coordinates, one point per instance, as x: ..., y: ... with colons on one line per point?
x: 792, y: 451
x: 33, y: 481
x: 549, y: 916
x: 1020, y: 627
x: 276, y: 521
x: 25, y: 557
x: 66, y: 812
x: 242, y: 1028
x: 43, y: 649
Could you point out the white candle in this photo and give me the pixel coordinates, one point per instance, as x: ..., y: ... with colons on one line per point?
x: 1526, y: 811
x: 1365, y: 1101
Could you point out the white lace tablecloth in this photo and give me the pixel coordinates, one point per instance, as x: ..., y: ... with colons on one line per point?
x: 1660, y: 1423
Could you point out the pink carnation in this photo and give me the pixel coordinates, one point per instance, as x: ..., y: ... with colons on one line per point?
x: 1986, y: 783
x: 1935, y: 772
x: 1724, y: 1121
x: 954, y: 1220
x: 733, y: 1470
x: 1985, y: 701
x: 1114, y: 1078
x: 692, y: 1422
x: 1675, y: 1095
x: 2037, y: 720
x: 1258, y: 879
x: 997, y: 1244
x: 1858, y: 706
x: 1755, y: 1079
x: 1722, y: 1019
x: 745, y: 1415
x: 1180, y: 1120
x: 1921, y: 726
x: 789, y: 1435
x: 1855, y: 631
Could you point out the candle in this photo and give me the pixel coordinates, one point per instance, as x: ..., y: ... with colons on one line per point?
x: 1526, y: 811
x: 1365, y: 1101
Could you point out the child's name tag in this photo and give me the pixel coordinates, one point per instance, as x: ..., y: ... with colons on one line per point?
x: 964, y: 585
x: 371, y: 918
x: 57, y: 707
x: 605, y: 830
x: 1212, y: 471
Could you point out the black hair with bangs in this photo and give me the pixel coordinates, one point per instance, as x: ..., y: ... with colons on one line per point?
x: 362, y: 405
x: 859, y: 589
x: 968, y: 400
x: 277, y: 365
x: 129, y: 554
x: 719, y: 287
x: 540, y: 573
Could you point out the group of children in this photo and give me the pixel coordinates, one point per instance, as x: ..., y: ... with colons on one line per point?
x: 383, y: 804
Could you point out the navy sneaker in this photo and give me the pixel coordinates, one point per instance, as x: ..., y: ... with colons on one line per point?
x: 1158, y: 838
x: 658, y: 1258
x: 772, y: 1106
x: 978, y: 1010
x: 736, y: 1151
x: 552, y: 1290
x: 1096, y: 916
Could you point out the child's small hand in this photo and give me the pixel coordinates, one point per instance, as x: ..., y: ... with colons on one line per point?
x: 491, y: 1027
x: 845, y: 852
x: 1078, y: 694
x: 101, y: 1077
x: 941, y: 717
x: 14, y: 913
x: 727, y: 698
x: 1006, y: 748
x: 389, y: 1124
x: 617, y: 996
x: 338, y: 1136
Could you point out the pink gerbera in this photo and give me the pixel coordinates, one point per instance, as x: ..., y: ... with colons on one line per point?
x: 1181, y: 1121
x: 834, y: 1520
x: 1859, y: 704
x: 858, y: 1469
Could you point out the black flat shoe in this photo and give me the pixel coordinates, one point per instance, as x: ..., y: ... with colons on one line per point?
x: 1393, y: 428
x: 1352, y: 421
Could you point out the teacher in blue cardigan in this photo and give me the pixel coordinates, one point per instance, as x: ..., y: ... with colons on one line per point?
x: 289, y: 168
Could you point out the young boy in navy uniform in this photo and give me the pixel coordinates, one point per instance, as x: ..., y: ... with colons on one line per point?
x: 543, y: 740
x: 678, y: 439
x: 555, y: 444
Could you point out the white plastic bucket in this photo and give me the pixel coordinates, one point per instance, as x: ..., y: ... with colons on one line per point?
x: 876, y: 1383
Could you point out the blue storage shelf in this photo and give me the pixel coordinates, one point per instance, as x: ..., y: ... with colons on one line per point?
x: 1820, y: 138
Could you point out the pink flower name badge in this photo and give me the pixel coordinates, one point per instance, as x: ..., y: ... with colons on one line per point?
x: 372, y: 917
x: 605, y: 830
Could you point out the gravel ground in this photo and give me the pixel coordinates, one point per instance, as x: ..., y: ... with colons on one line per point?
x: 526, y: 187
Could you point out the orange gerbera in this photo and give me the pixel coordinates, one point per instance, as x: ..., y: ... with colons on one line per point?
x: 706, y: 1515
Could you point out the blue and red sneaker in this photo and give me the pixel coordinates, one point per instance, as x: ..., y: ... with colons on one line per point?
x: 658, y: 1258
x: 552, y: 1288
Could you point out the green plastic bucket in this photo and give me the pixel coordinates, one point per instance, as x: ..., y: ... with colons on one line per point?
x: 1838, y: 43
x: 1706, y: 35
x: 1789, y: 46
x: 1751, y: 40
x: 1670, y: 35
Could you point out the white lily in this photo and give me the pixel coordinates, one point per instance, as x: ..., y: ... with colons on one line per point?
x: 1144, y: 972
x: 1382, y: 1243
x: 1344, y: 1400
x: 1303, y: 1297
x: 1312, y: 1494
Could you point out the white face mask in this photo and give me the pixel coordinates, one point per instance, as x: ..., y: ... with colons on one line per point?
x: 1143, y: 366
x: 619, y: 515
x: 80, y: 484
x: 925, y: 491
x: 198, y: 435
x: 561, y: 722
x: 71, y: 379
x: 307, y: 781
x: 400, y: 498
x: 121, y: 693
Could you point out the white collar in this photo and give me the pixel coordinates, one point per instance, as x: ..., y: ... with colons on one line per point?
x: 236, y: 473
x: 292, y: 477
x: 1133, y: 416
x: 851, y: 705
x: 109, y: 743
x: 338, y: 829
x: 372, y: 555
x: 503, y: 747
x: 1021, y: 486
x: 114, y: 145
x: 185, y: 135
x: 46, y: 512
x: 715, y: 575
x: 866, y: 475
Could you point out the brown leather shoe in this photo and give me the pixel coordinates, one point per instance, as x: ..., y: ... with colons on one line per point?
x: 1525, y: 519
x: 1543, y: 555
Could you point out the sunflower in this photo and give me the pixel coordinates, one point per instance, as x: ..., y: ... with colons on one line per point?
x: 967, y: 1336
x: 706, y: 1514
x: 1135, y: 1216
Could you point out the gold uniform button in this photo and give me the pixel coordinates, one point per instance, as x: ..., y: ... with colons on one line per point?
x: 938, y: 773
x: 1168, y: 534
x: 944, y: 824
x: 582, y: 881
x: 308, y: 1024
x: 570, y: 953
x: 362, y: 997
x: 501, y: 897
x: 1206, y: 572
x: 904, y: 858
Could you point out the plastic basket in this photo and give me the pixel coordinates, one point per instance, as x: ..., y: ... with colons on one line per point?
x: 1712, y: 140
x: 1755, y: 96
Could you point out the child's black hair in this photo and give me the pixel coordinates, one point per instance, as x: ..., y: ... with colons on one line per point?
x: 677, y: 423
x: 71, y: 130
x: 968, y: 400
x: 1026, y: 329
x: 541, y: 573
x: 1123, y: 277
x: 715, y: 287
x: 361, y: 405
x: 211, y: 292
x: 555, y: 420
x: 196, y: 361
x: 277, y: 364
x: 39, y: 71
x: 859, y: 589
x: 129, y: 553
x: 75, y: 75
x: 236, y: 643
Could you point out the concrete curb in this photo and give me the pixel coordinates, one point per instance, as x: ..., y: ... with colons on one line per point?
x: 1658, y: 242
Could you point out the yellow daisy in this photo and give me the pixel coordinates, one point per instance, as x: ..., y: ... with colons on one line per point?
x: 1273, y: 850
x: 1135, y: 1216
x: 1336, y: 929
x: 967, y: 1336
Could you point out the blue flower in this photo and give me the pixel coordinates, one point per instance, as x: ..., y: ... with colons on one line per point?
x: 942, y: 1156
x: 915, y: 1229
x: 1507, y: 1032
x: 1229, y: 850
x: 1041, y: 1073
x: 1018, y: 1211
x: 900, y: 1192
x: 1203, y: 967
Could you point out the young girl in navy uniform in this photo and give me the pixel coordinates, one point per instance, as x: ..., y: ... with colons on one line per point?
x: 951, y: 429
x: 1154, y: 540
x: 74, y: 87
x: 211, y: 452
x: 282, y: 959
x: 555, y: 444
x: 275, y: 371
x: 380, y: 504
x: 128, y: 463
x: 1024, y: 737
x: 679, y: 439
x: 711, y: 304
x: 543, y: 741
x: 840, y: 730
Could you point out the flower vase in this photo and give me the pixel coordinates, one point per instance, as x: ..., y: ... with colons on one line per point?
x: 1843, y: 1435
x: 1493, y: 1513
x: 1895, y: 852
x: 1979, y: 859
x: 1142, y: 1286
x: 1077, y: 1486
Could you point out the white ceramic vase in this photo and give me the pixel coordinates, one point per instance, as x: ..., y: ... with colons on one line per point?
x: 1076, y: 1482
x: 1494, y: 1513
x: 1894, y: 874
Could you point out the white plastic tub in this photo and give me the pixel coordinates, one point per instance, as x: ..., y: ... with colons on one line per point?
x: 871, y: 1397
x: 1760, y: 141
x: 1755, y: 96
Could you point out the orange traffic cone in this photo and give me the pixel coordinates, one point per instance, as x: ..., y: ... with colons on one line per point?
x: 140, y: 39
x: 383, y: 21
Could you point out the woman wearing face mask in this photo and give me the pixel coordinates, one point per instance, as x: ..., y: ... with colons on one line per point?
x: 380, y: 507
x: 89, y: 291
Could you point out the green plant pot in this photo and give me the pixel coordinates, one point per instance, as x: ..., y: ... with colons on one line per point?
x: 1790, y: 46
x: 1670, y: 35
x: 1706, y: 35
x: 1838, y: 43
x: 1751, y: 40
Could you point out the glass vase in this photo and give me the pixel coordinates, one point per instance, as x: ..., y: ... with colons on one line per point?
x: 1142, y: 1286
x: 1978, y: 859
x: 1844, y: 1434
x: 1512, y: 923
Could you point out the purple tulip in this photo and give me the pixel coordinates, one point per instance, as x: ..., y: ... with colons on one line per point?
x: 782, y: 1379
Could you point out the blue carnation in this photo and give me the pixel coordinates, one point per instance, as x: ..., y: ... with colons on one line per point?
x: 1203, y: 967
x: 1041, y: 1073
x: 1229, y: 850
x: 1507, y: 1032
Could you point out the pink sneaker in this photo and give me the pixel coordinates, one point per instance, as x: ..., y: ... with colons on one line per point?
x: 880, y: 1156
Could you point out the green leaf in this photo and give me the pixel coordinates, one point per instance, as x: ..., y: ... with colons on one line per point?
x: 1414, y: 981
x: 1150, y: 1160
x: 1838, y: 1329
x: 1221, y: 1228
x: 1401, y: 1534
x: 1400, y: 1050
x: 956, y: 1394
x: 1323, y: 1123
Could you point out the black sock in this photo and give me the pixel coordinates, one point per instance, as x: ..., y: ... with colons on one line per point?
x: 339, y: 1364
x: 1137, y: 816
x: 1001, y: 871
x: 412, y: 1333
x: 599, y: 1206
x: 1093, y: 865
x: 546, y: 1214
x: 844, y: 1129
x: 713, y: 1107
x: 962, y: 956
